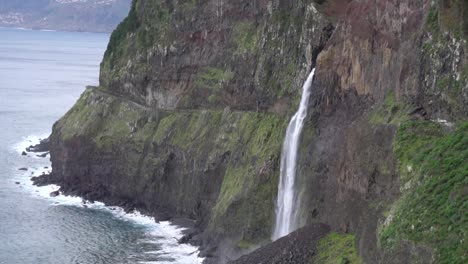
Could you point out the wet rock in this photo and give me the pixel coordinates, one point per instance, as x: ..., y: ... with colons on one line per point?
x: 43, y: 146
x: 54, y: 194
x: 347, y: 163
x: 185, y: 239
x: 17, y: 183
x: 43, y: 155
x: 210, y: 253
x: 24, y: 153
x: 42, y: 180
x: 297, y: 247
x: 23, y: 169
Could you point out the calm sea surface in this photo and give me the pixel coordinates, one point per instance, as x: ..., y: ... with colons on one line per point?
x: 42, y: 73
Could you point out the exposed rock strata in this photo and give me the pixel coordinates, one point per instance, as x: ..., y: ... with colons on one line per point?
x: 194, y: 99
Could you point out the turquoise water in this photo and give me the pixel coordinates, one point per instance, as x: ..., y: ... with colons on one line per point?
x: 42, y: 73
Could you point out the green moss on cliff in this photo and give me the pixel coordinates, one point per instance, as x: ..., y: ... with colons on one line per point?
x: 249, y: 143
x: 443, y: 54
x: 250, y: 185
x: 245, y: 37
x: 129, y: 24
x: 213, y: 78
x: 337, y: 249
x: 453, y: 16
x: 390, y: 112
x: 145, y: 31
x: 117, y: 127
x: 285, y: 19
x: 245, y: 205
x: 433, y: 209
x: 245, y: 245
x: 451, y: 90
x: 432, y: 20
x: 188, y: 5
x: 448, y: 16
x: 80, y: 119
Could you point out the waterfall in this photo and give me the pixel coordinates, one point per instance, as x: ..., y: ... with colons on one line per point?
x: 287, y: 204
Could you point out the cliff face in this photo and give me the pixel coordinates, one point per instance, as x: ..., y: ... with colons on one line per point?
x: 195, y: 97
x: 210, y: 55
x: 190, y: 115
x: 388, y: 63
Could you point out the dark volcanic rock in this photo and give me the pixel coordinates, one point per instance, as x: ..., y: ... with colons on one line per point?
x: 296, y: 248
x: 23, y: 169
x: 166, y: 137
x: 190, y: 114
x: 43, y: 155
x: 24, y: 153
x: 43, y: 146
x: 42, y: 180
x: 54, y: 194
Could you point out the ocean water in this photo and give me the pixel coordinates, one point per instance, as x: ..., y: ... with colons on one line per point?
x: 42, y: 73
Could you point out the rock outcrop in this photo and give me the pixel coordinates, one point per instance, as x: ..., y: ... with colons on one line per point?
x: 195, y: 96
x: 297, y: 247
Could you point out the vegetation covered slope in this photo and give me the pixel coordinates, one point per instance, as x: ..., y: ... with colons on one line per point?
x: 434, y: 178
x: 197, y: 153
x: 194, y: 98
x: 190, y: 114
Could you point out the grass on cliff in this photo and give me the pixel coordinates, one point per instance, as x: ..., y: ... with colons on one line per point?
x: 129, y: 24
x: 254, y: 172
x: 433, y: 210
x: 245, y: 37
x: 252, y: 142
x: 214, y: 78
x: 448, y: 16
x: 337, y: 249
x: 391, y: 112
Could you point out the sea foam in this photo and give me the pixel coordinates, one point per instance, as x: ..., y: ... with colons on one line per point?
x: 164, y: 233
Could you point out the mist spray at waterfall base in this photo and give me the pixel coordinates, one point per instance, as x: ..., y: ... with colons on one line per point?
x: 287, y: 205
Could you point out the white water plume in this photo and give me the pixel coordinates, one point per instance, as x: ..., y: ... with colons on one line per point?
x: 287, y: 204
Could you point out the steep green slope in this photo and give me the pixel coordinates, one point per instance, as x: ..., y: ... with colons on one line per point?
x: 190, y: 114
x: 195, y: 96
x: 146, y: 155
x: 434, y: 177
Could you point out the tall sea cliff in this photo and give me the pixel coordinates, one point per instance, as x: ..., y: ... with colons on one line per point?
x: 192, y: 108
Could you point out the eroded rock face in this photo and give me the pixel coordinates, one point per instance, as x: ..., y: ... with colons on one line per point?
x: 400, y: 47
x: 214, y: 54
x: 195, y: 97
x: 190, y: 114
x: 384, y: 54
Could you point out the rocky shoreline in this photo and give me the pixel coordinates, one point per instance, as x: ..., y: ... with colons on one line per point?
x: 190, y: 231
x: 190, y: 114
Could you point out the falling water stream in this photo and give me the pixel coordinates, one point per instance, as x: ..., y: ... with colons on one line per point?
x: 287, y: 204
